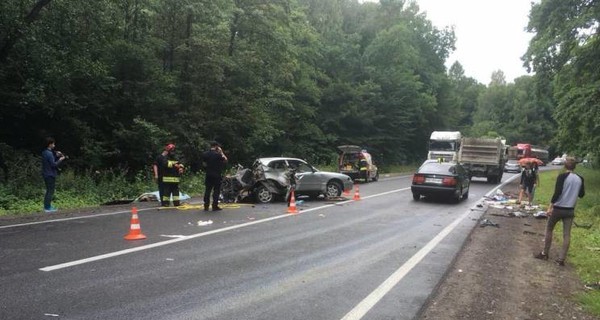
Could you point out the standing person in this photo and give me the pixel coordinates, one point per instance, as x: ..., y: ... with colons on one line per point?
x: 529, y: 180
x: 50, y: 162
x: 167, y: 172
x: 569, y: 186
x: 214, y: 161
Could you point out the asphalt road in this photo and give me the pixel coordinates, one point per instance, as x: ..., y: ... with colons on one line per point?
x: 377, y: 258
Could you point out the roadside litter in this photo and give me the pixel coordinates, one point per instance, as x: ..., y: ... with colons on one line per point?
x: 592, y: 286
x: 505, y: 205
x: 204, y: 223
x: 486, y: 222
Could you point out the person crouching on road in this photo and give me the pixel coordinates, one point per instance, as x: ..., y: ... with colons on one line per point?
x: 167, y: 172
x: 214, y: 161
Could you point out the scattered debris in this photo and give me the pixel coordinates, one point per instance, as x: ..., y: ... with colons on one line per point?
x: 170, y: 259
x: 487, y: 222
x: 204, y: 223
x: 540, y: 215
x: 592, y: 286
x: 584, y: 226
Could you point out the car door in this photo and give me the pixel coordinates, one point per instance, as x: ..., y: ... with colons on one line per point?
x: 306, y: 178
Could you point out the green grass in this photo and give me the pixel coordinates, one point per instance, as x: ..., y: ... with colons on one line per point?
x: 584, y: 253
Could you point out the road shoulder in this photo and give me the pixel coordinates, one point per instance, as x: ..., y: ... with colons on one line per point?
x: 496, y: 277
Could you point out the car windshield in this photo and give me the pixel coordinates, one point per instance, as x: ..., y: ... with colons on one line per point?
x: 442, y: 145
x: 437, y: 168
x: 513, y: 162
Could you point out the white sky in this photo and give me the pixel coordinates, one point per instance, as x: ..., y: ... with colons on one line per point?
x: 490, y: 34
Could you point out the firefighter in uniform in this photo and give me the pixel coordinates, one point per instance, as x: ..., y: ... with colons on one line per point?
x: 167, y: 172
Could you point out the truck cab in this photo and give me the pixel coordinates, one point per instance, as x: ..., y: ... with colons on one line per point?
x: 444, y: 145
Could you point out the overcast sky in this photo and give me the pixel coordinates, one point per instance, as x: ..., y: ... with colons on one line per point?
x: 490, y: 34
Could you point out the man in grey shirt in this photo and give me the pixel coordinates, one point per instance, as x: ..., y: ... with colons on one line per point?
x: 569, y: 186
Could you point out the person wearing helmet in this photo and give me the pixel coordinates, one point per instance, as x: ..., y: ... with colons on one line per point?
x: 167, y: 173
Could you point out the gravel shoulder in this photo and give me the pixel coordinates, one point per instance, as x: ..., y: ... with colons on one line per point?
x: 496, y: 277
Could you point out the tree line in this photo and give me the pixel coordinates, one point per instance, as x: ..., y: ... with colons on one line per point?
x: 114, y: 80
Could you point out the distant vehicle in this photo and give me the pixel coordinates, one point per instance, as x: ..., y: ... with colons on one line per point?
x: 483, y: 157
x: 272, y: 178
x: 444, y: 179
x: 444, y: 145
x: 357, y: 163
x: 524, y: 150
x: 512, y: 166
x: 558, y: 161
x: 540, y: 153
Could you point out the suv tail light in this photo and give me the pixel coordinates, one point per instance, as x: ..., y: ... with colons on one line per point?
x: 418, y: 179
x: 449, y: 181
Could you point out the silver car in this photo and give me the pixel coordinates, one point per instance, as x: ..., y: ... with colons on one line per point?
x: 512, y: 166
x: 275, y: 175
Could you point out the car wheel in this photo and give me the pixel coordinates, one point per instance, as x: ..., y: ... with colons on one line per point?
x: 416, y: 196
x: 333, y: 189
x: 466, y: 195
x: 264, y: 195
x: 376, y: 176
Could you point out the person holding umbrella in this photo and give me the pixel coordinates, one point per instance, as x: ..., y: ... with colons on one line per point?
x: 529, y: 180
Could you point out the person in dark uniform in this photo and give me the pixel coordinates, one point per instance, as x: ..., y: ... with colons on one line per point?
x: 167, y: 172
x: 50, y: 161
x: 214, y: 161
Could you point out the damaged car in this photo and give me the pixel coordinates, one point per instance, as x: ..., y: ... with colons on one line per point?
x: 270, y: 179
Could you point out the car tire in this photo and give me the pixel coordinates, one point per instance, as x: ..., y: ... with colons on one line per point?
x: 416, y: 196
x: 263, y: 195
x: 333, y: 189
x: 376, y: 178
x: 466, y: 195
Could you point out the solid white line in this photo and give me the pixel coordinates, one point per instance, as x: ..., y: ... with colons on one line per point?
x: 72, y: 218
x: 367, y: 303
x: 193, y: 236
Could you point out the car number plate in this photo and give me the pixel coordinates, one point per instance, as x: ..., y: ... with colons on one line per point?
x: 433, y: 180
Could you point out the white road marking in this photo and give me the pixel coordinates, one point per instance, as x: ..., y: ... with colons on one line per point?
x: 386, y: 286
x: 197, y: 235
x: 172, y: 235
x: 72, y: 218
x: 367, y: 303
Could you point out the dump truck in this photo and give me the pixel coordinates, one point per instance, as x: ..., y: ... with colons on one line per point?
x: 483, y: 157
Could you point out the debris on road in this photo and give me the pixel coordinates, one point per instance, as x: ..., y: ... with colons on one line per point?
x: 486, y: 222
x: 204, y: 223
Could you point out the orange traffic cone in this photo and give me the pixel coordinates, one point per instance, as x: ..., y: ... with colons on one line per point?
x: 356, y: 193
x: 135, y: 231
x: 347, y: 192
x: 292, y: 207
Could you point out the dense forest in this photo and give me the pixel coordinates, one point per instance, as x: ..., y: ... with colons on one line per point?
x: 114, y: 80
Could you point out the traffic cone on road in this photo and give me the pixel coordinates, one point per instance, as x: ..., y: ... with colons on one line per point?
x: 292, y: 207
x: 347, y: 192
x: 356, y: 193
x: 135, y: 231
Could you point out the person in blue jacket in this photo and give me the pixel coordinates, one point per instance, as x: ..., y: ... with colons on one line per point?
x: 50, y: 162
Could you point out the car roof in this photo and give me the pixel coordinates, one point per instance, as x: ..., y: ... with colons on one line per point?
x: 270, y: 159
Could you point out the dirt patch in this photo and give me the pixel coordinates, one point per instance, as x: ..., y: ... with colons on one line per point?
x: 496, y: 277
